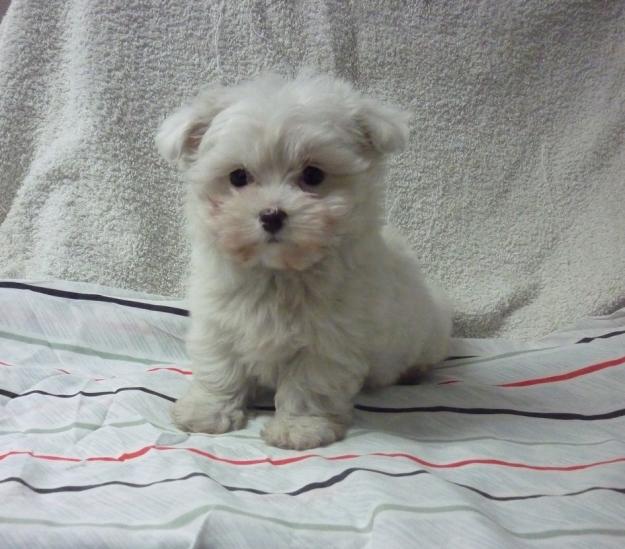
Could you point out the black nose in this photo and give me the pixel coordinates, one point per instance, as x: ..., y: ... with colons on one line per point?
x: 272, y: 220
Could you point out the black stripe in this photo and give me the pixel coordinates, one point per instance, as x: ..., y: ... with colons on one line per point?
x: 263, y: 407
x: 364, y: 408
x: 604, y: 336
x: 179, y: 311
x: 536, y: 496
x: 336, y: 479
x: 94, y: 297
x: 86, y: 393
x: 492, y: 411
x: 184, y: 312
x: 583, y: 340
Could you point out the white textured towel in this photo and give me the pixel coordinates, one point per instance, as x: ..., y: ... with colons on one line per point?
x: 512, y: 189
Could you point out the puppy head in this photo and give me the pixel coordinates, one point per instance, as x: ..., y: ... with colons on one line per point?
x: 282, y: 171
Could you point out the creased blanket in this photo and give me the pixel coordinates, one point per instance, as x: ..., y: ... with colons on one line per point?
x: 514, y: 446
x: 511, y: 191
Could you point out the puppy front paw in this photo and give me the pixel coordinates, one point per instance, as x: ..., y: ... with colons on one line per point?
x: 199, y: 415
x: 302, y: 432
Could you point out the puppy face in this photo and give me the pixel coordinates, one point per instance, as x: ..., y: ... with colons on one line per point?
x: 282, y: 171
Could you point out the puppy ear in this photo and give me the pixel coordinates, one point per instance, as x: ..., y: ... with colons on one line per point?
x: 180, y: 134
x: 383, y: 129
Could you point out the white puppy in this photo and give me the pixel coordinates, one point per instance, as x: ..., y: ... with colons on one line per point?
x: 295, y: 284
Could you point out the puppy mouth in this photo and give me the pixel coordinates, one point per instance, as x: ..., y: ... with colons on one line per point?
x: 273, y: 239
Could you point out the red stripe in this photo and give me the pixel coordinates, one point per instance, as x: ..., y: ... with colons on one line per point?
x: 171, y: 369
x: 128, y: 456
x: 568, y: 375
x: 481, y: 461
x: 449, y: 381
x: 37, y: 456
x: 177, y: 370
x: 271, y: 461
x: 92, y: 379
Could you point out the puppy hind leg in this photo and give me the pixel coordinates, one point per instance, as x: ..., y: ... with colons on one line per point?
x: 414, y: 375
x: 383, y: 372
x: 434, y: 351
x: 412, y: 368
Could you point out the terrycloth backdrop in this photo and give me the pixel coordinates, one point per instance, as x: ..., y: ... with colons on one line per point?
x: 512, y: 190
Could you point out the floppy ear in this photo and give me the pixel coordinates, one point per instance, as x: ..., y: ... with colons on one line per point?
x: 180, y: 134
x: 384, y: 129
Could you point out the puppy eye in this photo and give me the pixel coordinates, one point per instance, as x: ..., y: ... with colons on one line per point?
x: 312, y: 176
x: 239, y: 178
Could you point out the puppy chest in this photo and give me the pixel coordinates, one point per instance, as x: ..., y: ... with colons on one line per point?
x: 274, y: 334
x: 267, y: 337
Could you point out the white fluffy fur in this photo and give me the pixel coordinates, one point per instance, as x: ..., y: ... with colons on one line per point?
x: 338, y: 301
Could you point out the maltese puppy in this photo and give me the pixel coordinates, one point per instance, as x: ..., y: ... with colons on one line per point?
x: 295, y: 284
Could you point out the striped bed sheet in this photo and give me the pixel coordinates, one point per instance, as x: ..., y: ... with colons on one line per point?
x: 508, y: 444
